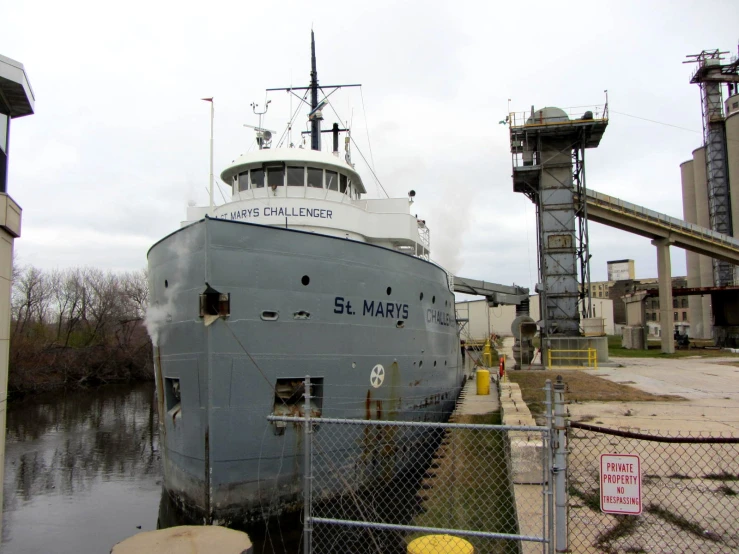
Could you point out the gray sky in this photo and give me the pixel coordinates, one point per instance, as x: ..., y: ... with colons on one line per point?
x: 119, y: 142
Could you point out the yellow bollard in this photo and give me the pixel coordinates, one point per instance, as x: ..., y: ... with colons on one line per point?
x: 440, y: 544
x: 487, y: 354
x: 483, y: 382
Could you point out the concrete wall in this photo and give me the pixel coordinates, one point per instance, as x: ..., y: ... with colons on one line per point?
x: 10, y: 228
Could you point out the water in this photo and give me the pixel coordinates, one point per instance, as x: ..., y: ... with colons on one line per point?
x: 82, y: 470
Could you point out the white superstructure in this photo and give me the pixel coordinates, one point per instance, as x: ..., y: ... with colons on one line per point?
x: 318, y: 192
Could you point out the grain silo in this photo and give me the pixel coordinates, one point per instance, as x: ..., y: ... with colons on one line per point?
x: 732, y: 149
x: 703, y: 326
x: 715, y: 167
x: 692, y: 261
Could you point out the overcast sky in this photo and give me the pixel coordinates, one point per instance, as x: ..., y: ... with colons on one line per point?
x: 119, y: 142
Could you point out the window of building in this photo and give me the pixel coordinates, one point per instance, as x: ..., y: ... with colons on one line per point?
x: 243, y: 181
x: 332, y: 180
x: 295, y: 176
x: 685, y: 316
x: 683, y: 302
x: 275, y: 176
x: 315, y: 177
x: 674, y: 303
x: 674, y: 316
x: 256, y: 178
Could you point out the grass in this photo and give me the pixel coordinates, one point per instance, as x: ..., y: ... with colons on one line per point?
x: 591, y: 499
x: 624, y: 527
x: 459, y: 496
x: 579, y: 387
x: 723, y: 476
x: 654, y: 350
x: 679, y: 521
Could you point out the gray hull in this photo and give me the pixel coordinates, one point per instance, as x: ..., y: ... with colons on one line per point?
x: 300, y: 304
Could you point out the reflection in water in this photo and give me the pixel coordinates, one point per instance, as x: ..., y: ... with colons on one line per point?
x: 83, y: 472
x: 81, y: 469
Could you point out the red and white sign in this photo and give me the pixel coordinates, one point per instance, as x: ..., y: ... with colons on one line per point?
x: 620, y: 484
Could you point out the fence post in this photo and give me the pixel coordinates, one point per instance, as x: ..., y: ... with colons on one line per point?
x: 560, y: 468
x: 549, y: 461
x: 307, y: 431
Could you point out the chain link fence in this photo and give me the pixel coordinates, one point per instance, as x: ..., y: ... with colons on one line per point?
x: 689, y: 488
x: 377, y: 486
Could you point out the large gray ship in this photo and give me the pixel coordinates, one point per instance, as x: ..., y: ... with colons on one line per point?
x: 299, y: 274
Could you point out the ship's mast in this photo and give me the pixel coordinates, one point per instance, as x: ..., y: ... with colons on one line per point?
x: 315, y: 116
x: 315, y: 122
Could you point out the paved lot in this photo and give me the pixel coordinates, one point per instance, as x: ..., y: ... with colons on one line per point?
x: 709, y: 387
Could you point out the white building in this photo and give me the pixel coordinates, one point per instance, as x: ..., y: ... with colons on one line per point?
x: 484, y: 320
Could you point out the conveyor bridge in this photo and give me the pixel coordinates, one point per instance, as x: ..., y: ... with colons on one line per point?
x: 626, y: 216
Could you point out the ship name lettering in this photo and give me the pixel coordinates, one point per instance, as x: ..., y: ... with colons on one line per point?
x: 245, y: 213
x: 438, y: 317
x: 319, y: 213
x: 341, y: 307
x: 385, y: 309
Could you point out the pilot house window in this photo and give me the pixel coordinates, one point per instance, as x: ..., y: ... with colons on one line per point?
x: 342, y: 187
x: 243, y: 181
x: 295, y: 176
x: 315, y: 177
x: 256, y: 178
x: 332, y: 180
x: 275, y: 177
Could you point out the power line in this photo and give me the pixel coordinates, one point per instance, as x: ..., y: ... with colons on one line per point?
x: 657, y: 122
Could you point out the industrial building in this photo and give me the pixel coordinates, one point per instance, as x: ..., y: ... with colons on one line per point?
x: 481, y: 319
x: 622, y: 281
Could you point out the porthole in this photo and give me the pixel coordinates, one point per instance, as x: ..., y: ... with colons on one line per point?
x: 421, y: 297
x: 354, y: 365
x: 433, y: 299
x: 305, y: 280
x: 420, y: 364
x: 389, y: 290
x: 400, y: 324
x: 166, y: 283
x: 444, y: 362
x: 269, y: 315
x: 434, y: 363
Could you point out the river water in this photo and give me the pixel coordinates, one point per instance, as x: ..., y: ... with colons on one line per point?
x: 83, y: 472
